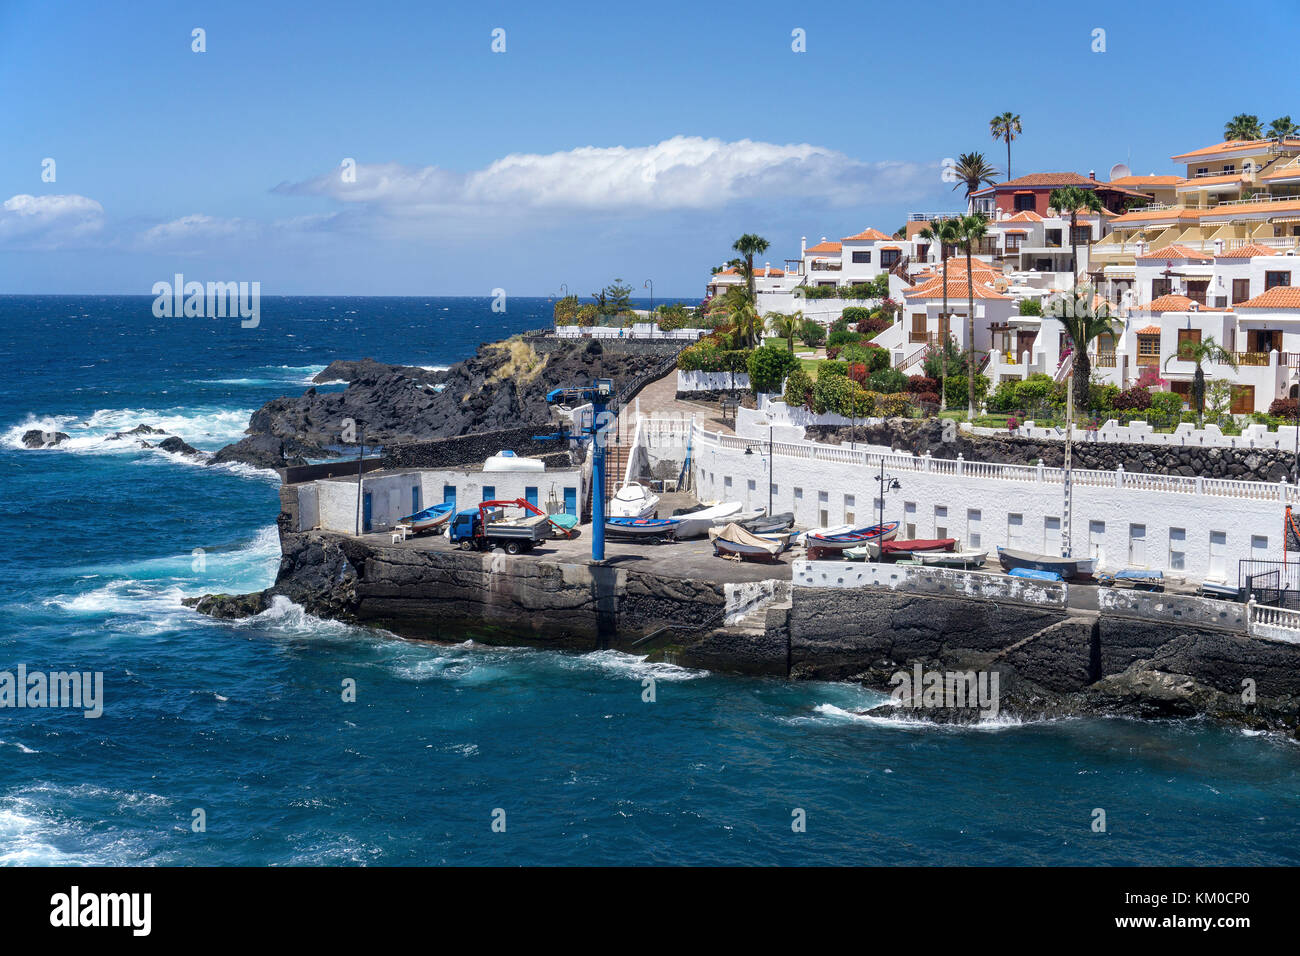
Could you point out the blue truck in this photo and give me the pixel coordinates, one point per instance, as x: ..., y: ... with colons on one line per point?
x: 482, y: 528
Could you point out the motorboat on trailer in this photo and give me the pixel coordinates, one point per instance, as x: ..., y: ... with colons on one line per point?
x: 735, y: 541
x: 432, y: 518
x: 1067, y: 568
x: 834, y: 545
x: 696, y: 523
x: 633, y: 500
x: 647, y: 530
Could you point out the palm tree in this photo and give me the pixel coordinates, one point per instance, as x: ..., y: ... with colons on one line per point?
x: 969, y: 230
x: 972, y: 171
x: 1074, y: 198
x: 1082, y: 323
x: 943, y: 233
x: 1006, y: 126
x: 750, y: 245
x: 1282, y: 128
x: 1206, y: 350
x: 786, y: 326
x: 1243, y: 126
x: 746, y: 322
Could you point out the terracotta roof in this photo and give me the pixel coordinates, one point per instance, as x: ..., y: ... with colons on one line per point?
x: 1167, y: 303
x: 1176, y: 251
x: 1248, y: 252
x: 1017, y: 232
x: 1236, y: 209
x: 825, y: 247
x: 1287, y: 171
x: 1027, y: 215
x: 1278, y: 297
x: 1043, y: 180
x: 1233, y: 144
x: 1198, y: 181
x: 758, y: 272
x: 1155, y: 215
x: 867, y: 235
x: 1145, y: 180
x: 1149, y: 330
x: 956, y: 289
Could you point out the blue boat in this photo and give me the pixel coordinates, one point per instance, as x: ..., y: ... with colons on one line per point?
x: 650, y: 530
x: 1034, y: 574
x: 430, y: 519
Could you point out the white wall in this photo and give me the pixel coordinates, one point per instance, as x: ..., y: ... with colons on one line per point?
x: 1220, y: 521
x: 711, y: 381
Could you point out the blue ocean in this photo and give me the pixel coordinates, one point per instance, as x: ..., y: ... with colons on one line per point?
x: 245, y: 720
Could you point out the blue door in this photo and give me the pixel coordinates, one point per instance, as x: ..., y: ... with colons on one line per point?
x: 449, y: 496
x: 570, y: 501
x: 489, y: 492
x: 530, y: 495
x: 415, y: 499
x: 365, y: 514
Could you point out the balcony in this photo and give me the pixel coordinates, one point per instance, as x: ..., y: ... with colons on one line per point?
x: 1104, y: 360
x: 1251, y: 359
x: 818, y: 265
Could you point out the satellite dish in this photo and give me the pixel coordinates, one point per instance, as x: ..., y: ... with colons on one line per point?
x: 1119, y: 171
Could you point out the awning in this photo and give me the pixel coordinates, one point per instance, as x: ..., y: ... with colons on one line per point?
x: 1119, y: 272
x: 1280, y: 219
x: 1023, y: 192
x: 1025, y: 321
x: 1017, y: 232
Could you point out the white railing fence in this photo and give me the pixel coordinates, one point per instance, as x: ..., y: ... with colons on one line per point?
x: 1273, y: 623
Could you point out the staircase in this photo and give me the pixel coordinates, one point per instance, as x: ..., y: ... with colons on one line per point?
x: 616, y: 455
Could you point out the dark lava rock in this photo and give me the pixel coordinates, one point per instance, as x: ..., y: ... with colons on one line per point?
x: 140, y: 429
x: 345, y: 370
x: 268, y: 451
x: 178, y: 447
x: 39, y: 439
x: 228, y: 606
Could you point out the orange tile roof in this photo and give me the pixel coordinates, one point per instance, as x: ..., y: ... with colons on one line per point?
x: 1145, y: 180
x: 1197, y: 181
x: 1278, y: 297
x: 1176, y: 251
x: 1049, y: 179
x: 1235, y: 210
x: 1167, y: 303
x: 1149, y: 330
x: 825, y: 247
x: 1027, y: 215
x: 1248, y: 252
x: 957, y: 289
x: 759, y: 272
x: 1155, y: 215
x: 1233, y: 144
x: 867, y: 235
x: 1288, y: 171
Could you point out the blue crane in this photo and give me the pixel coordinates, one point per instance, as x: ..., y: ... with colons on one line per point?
x: 599, y: 394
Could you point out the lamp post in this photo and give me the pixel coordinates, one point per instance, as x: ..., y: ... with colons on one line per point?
x: 650, y: 284
x: 887, y: 483
x: 361, y: 453
x: 771, y: 461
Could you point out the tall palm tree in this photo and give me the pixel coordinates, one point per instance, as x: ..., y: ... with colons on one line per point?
x: 972, y: 171
x: 1074, y: 198
x: 746, y: 322
x: 786, y: 326
x: 1206, y: 350
x: 750, y: 245
x: 1082, y: 323
x: 943, y: 233
x: 1243, y: 126
x: 1006, y: 126
x: 1282, y: 128
x: 969, y: 230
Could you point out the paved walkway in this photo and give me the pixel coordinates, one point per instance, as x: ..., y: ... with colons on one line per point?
x: 659, y: 399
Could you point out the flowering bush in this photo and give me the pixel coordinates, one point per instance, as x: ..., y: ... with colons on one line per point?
x: 1012, y: 423
x: 921, y: 383
x: 1135, y: 399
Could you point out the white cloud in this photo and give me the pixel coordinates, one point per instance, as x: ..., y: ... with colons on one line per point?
x: 49, y: 221
x: 198, y: 228
x: 682, y: 173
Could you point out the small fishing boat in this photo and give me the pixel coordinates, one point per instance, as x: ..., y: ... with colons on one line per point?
x: 649, y: 530
x: 802, y: 539
x: 696, y: 524
x: 954, y: 559
x: 509, y: 461
x: 896, y: 550
x: 735, y: 541
x: 833, y: 545
x: 633, y: 500
x: 432, y: 518
x: 768, y: 524
x: 1140, y: 579
x: 1067, y: 568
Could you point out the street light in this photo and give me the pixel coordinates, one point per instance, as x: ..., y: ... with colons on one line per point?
x: 887, y: 483
x: 749, y: 450
x: 361, y: 453
x: 650, y: 284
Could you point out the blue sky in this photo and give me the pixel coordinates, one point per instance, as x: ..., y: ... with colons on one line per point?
x: 603, y: 142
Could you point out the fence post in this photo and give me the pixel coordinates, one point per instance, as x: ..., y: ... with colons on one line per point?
x: 961, y: 463
x: 1040, y: 471
x: 1119, y: 476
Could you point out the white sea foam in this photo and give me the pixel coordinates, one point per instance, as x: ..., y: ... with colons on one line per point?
x: 621, y: 664
x: 839, y: 714
x: 205, y: 427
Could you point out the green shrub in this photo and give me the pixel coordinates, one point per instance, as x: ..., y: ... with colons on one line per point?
x: 888, y: 380
x: 1168, y: 405
x: 830, y: 367
x: 706, y: 356
x: 812, y: 333
x: 1031, y: 306
x: 855, y: 314
x: 768, y: 367
x: 845, y: 337
x: 956, y: 387
x: 798, y: 388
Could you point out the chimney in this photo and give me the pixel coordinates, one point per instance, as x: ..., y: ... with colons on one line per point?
x: 1092, y: 174
x: 767, y: 268
x: 803, y: 245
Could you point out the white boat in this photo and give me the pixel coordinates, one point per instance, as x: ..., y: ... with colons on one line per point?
x: 509, y: 461
x: 696, y: 524
x: 633, y: 500
x: 954, y: 559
